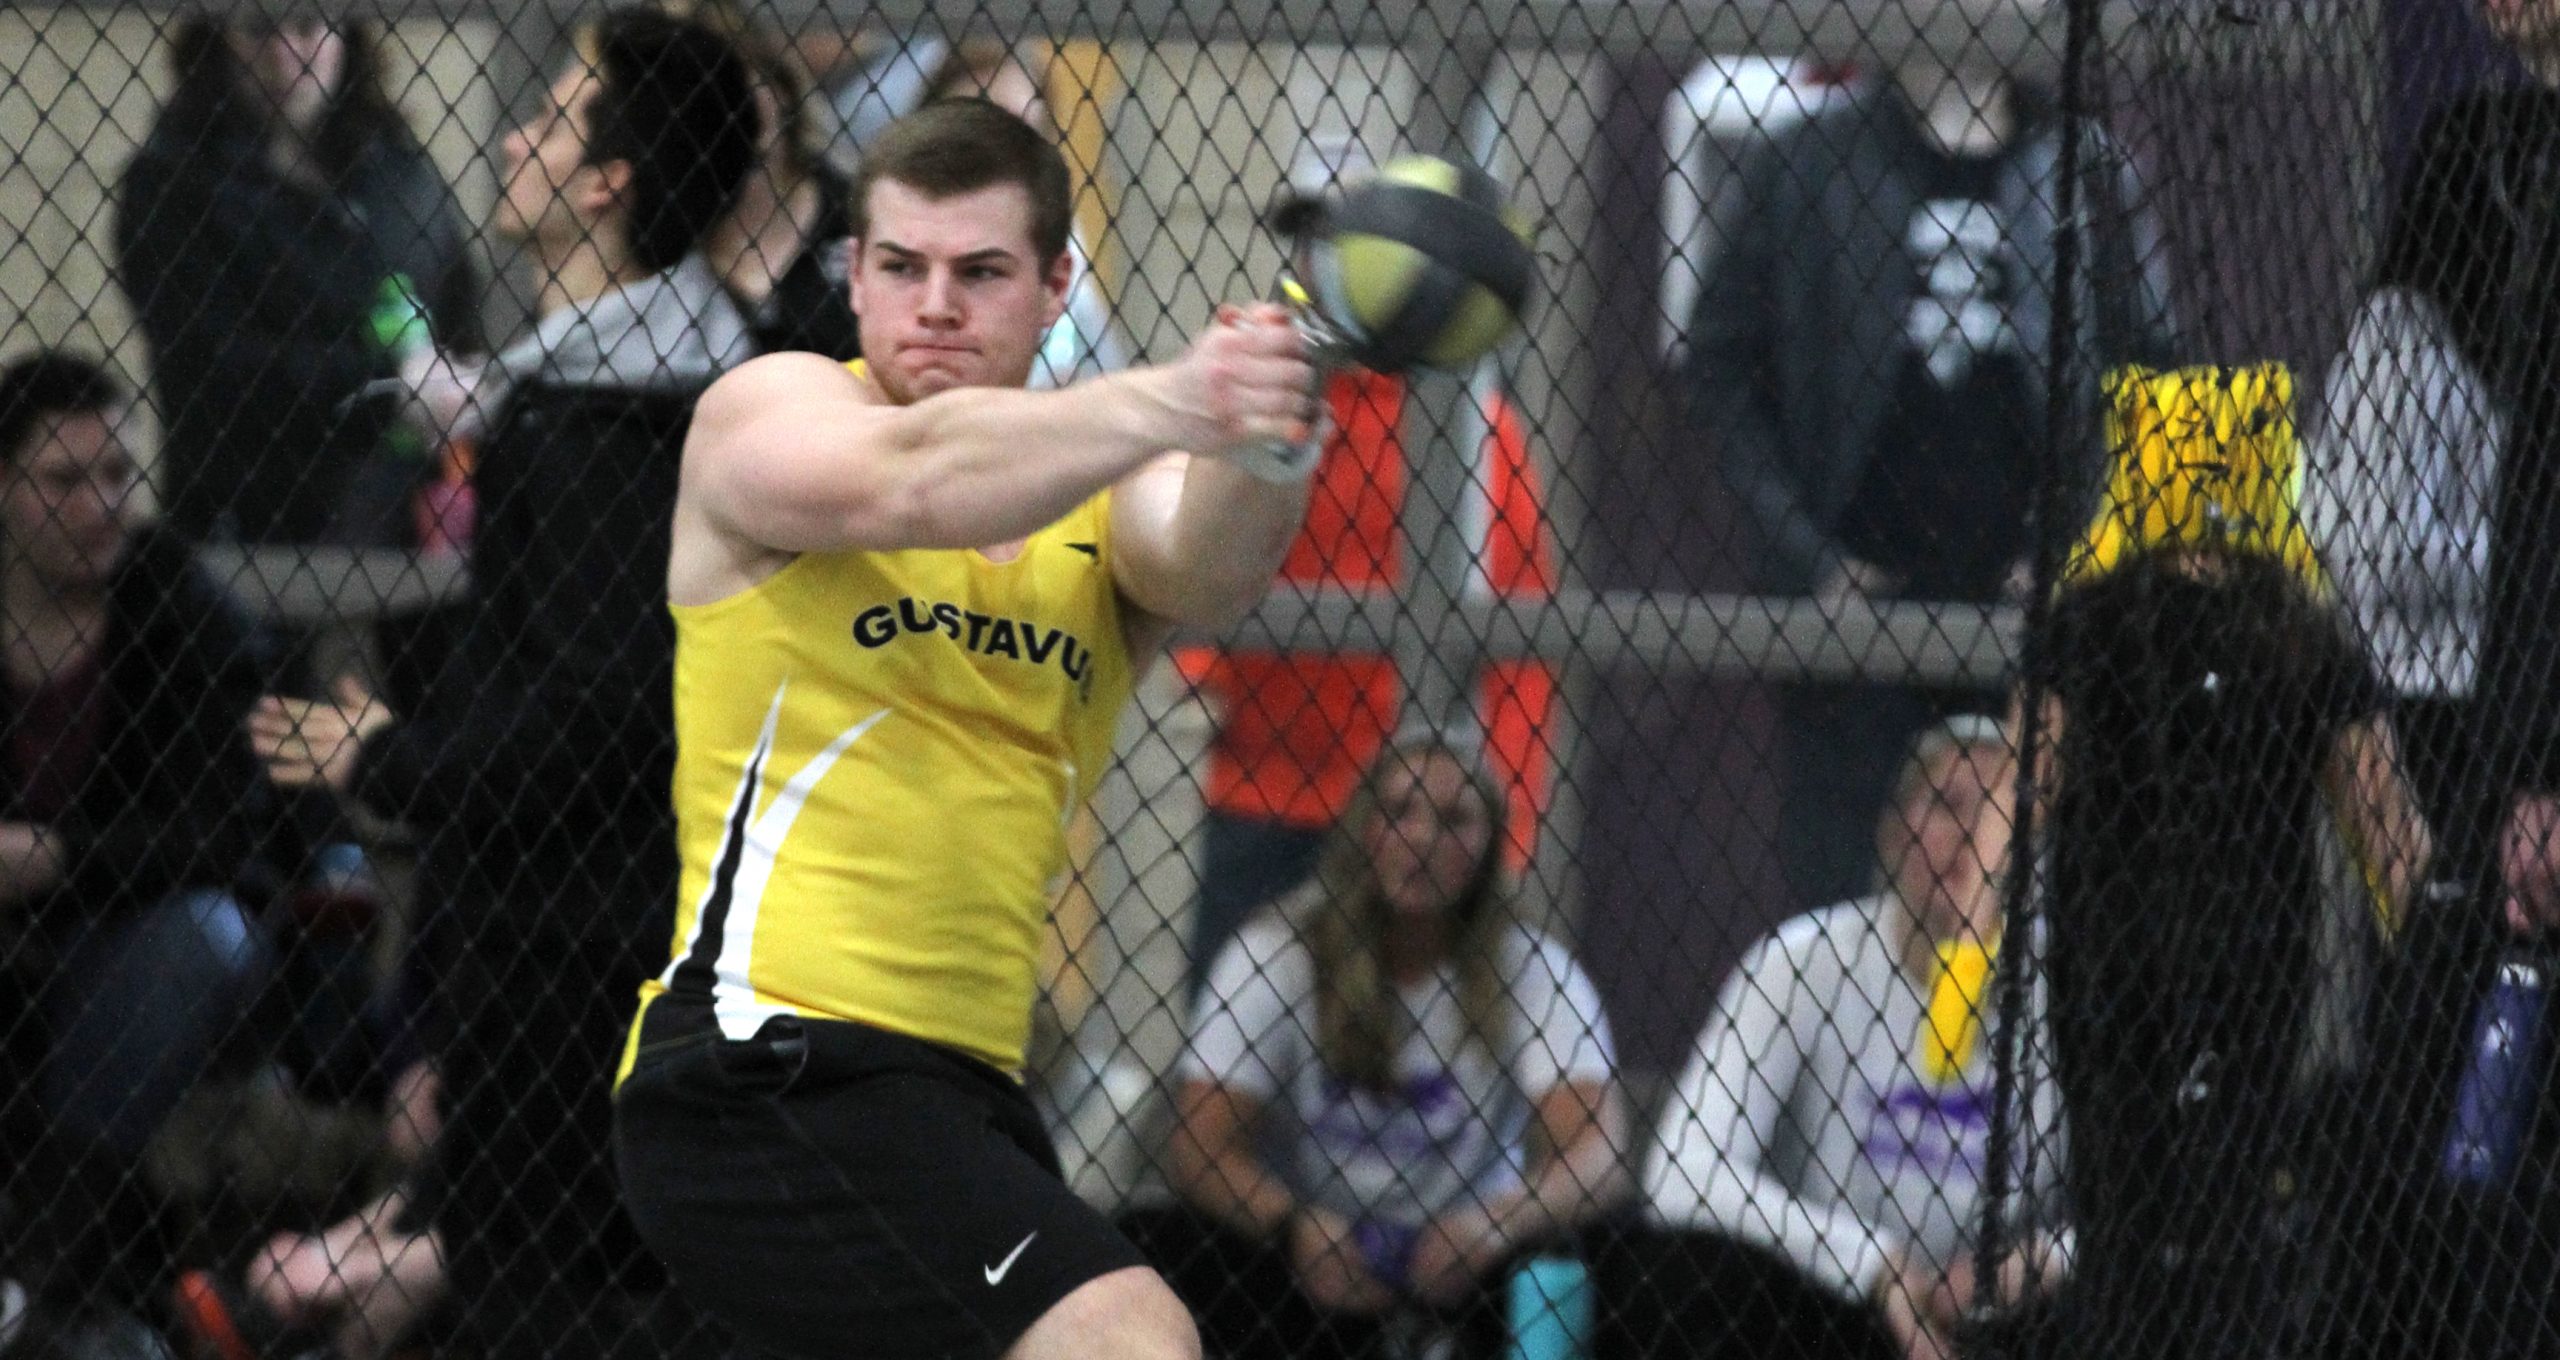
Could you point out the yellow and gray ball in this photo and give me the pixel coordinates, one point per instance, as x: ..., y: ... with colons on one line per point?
x: 1422, y: 263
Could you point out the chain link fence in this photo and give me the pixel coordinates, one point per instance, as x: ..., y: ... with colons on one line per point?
x: 1983, y: 660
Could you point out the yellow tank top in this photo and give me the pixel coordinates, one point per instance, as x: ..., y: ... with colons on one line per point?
x: 877, y: 755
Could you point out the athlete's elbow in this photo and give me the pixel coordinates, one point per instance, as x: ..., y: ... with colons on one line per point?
x: 896, y: 514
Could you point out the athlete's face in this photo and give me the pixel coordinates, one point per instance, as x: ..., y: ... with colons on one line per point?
x: 1943, y: 844
x: 65, y: 500
x: 951, y: 291
x: 1430, y: 835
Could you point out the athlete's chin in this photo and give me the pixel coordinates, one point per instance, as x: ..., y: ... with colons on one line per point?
x: 943, y: 370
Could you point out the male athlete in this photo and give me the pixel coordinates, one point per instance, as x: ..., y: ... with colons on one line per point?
x: 910, y: 601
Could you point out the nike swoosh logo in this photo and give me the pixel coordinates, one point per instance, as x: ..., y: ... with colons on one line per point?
x: 1088, y: 549
x: 996, y: 1273
x: 1002, y: 1269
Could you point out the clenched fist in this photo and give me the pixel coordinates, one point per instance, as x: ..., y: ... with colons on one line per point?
x: 1246, y: 381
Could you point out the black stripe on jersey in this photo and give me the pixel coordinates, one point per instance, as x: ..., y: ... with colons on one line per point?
x: 700, y: 969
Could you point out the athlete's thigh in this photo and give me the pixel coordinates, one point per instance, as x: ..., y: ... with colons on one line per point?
x: 893, y: 1210
x: 1130, y: 1314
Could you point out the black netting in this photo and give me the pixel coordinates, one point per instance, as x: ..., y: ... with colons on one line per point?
x: 1934, y: 733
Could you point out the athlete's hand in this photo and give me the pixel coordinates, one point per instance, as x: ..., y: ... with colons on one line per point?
x: 1454, y: 1252
x: 1247, y: 380
x: 1325, y: 1256
x: 316, y: 741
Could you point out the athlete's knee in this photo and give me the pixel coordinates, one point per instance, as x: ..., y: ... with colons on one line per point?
x: 1127, y: 1315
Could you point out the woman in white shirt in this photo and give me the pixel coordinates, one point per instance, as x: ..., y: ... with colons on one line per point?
x: 1833, y: 1123
x: 1392, y: 1086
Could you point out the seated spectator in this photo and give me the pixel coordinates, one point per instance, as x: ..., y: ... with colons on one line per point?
x: 1392, y: 1089
x: 286, y: 240
x: 353, y: 1290
x: 540, y: 760
x: 1819, y: 1162
x: 1295, y: 732
x: 136, y: 832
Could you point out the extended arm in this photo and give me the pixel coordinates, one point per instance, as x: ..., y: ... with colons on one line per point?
x: 1197, y: 540
x: 792, y: 454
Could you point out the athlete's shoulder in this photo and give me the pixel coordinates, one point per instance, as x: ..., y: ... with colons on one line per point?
x: 793, y: 386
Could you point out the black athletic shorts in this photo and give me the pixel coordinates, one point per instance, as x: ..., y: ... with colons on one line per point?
x: 831, y: 1189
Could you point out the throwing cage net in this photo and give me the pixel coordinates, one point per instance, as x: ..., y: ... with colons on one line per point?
x: 1949, y: 752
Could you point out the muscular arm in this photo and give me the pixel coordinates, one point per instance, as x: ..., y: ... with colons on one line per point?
x: 1196, y: 541
x: 793, y: 454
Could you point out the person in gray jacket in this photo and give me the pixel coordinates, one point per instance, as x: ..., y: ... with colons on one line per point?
x: 1869, y: 358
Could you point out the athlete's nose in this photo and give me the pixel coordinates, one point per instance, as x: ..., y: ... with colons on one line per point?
x: 940, y: 304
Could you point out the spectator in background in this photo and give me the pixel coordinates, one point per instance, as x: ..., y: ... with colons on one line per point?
x: 1392, y: 1088
x: 2455, y: 418
x: 540, y: 761
x: 285, y: 241
x: 1296, y: 733
x: 137, y: 835
x: 1819, y: 1164
x: 781, y: 252
x: 2401, y: 474
x: 1868, y: 356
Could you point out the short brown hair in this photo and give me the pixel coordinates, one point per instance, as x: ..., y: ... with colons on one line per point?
x: 959, y: 146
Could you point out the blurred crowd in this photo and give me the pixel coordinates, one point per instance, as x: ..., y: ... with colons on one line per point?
x: 321, y: 938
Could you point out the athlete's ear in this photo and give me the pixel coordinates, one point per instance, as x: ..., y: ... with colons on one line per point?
x: 1059, y: 277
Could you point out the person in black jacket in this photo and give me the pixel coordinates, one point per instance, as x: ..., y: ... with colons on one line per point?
x: 1868, y: 358
x: 285, y: 240
x: 136, y: 828
x: 540, y: 760
x: 782, y: 251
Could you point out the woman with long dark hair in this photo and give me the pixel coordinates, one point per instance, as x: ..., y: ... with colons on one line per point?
x: 1393, y: 1087
x: 285, y: 241
x: 2233, y: 848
